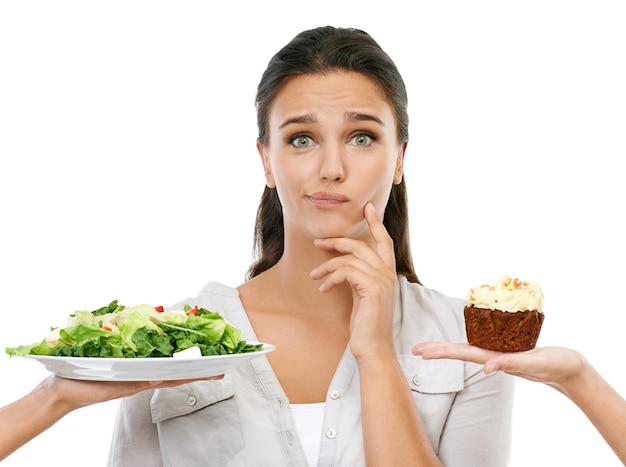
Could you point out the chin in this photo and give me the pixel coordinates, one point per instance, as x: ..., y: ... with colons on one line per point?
x: 358, y: 232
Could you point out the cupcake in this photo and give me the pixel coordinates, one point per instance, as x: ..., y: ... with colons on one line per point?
x: 506, y: 316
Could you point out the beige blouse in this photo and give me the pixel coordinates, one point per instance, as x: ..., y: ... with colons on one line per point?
x: 244, y: 419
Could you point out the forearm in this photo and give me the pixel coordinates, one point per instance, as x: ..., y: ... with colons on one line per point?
x: 27, y: 417
x: 602, y: 405
x: 393, y: 433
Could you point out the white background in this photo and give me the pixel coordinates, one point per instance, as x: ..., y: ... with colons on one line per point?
x: 128, y: 170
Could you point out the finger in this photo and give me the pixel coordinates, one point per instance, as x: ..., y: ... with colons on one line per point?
x: 418, y: 349
x: 356, y: 276
x: 356, y: 255
x: 348, y: 246
x: 455, y: 351
x: 524, y: 364
x: 430, y: 346
x: 507, y: 363
x: 348, y: 260
x: 384, y: 243
x: 332, y: 279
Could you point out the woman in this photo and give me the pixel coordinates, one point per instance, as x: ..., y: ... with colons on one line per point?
x: 335, y: 290
x: 564, y: 369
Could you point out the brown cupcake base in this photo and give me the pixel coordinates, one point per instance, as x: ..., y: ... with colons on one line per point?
x: 501, y: 330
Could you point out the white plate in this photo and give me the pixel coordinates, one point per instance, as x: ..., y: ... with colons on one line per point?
x: 145, y: 369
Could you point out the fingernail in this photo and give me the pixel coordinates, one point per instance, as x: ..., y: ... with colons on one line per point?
x: 370, y: 206
x: 491, y: 368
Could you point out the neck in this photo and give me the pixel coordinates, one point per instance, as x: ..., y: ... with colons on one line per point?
x: 292, y: 273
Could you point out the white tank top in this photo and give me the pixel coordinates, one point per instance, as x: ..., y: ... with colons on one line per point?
x: 308, y: 420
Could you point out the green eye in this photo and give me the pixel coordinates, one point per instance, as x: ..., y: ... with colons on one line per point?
x: 362, y: 139
x: 301, y: 141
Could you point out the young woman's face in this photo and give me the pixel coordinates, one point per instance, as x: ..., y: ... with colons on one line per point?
x: 333, y: 147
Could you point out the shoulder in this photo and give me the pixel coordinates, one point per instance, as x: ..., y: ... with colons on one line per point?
x: 225, y: 300
x: 417, y: 295
x: 431, y: 313
x: 214, y: 296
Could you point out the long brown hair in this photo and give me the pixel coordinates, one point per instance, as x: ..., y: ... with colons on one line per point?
x: 322, y: 50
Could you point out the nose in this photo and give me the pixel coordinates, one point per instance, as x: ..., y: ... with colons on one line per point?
x: 332, y: 165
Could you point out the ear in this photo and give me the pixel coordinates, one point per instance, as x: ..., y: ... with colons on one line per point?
x: 399, y: 172
x: 267, y: 167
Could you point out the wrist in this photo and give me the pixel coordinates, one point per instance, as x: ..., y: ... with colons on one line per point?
x: 51, y: 397
x: 579, y: 380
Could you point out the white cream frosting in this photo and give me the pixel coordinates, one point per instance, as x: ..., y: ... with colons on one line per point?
x: 507, y: 294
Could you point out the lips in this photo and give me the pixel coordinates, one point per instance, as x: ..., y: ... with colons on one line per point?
x: 326, y: 199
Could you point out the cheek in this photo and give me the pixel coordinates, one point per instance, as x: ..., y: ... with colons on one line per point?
x: 288, y: 186
x: 292, y: 174
x: 380, y: 199
x: 378, y: 185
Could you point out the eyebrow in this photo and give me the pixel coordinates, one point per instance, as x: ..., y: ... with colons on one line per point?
x: 356, y: 116
x: 349, y: 116
x: 308, y: 118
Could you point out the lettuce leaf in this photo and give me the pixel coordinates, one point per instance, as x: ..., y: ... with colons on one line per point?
x: 140, y: 332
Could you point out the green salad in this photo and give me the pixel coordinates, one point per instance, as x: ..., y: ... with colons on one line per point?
x: 142, y: 331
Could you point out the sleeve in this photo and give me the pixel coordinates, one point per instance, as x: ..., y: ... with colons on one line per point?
x: 135, y: 440
x: 478, y: 427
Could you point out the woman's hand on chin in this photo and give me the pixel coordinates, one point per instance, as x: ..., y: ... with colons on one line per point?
x: 371, y: 273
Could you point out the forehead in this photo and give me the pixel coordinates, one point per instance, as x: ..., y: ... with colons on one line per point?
x: 326, y: 93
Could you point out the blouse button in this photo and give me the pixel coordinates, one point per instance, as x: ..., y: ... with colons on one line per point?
x: 417, y: 381
x: 335, y: 395
x: 331, y: 433
x: 191, y: 400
